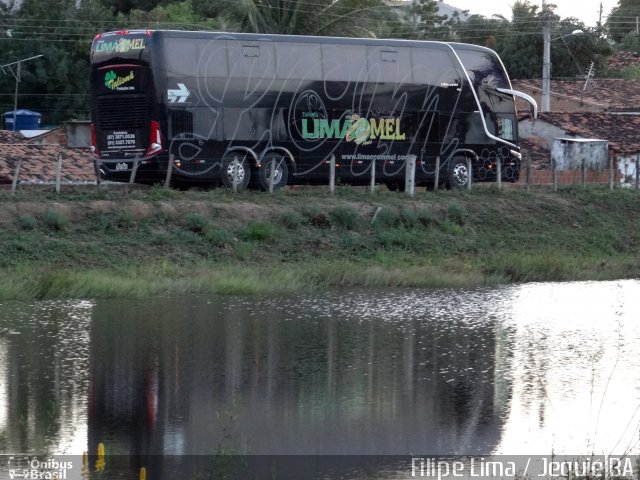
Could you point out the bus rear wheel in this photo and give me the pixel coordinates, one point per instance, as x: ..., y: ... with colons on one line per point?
x: 235, y: 169
x: 280, y: 173
x: 458, y: 173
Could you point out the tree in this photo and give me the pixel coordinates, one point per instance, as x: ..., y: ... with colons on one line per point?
x: 179, y: 15
x: 623, y: 20
x: 520, y: 43
x: 57, y: 84
x: 489, y: 32
x: 361, y: 18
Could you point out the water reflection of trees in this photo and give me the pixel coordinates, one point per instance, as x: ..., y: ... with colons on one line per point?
x: 43, y: 375
x: 198, y: 377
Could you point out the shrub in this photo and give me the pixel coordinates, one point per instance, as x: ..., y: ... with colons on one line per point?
x: 409, y: 218
x: 456, y: 214
x: 27, y: 222
x: 291, y: 219
x: 124, y: 219
x: 426, y: 218
x: 386, y: 217
x: 160, y: 192
x: 196, y: 223
x: 258, y: 231
x: 219, y: 236
x: 55, y: 220
x: 344, y: 217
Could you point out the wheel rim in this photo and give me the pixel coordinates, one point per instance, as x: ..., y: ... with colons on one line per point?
x: 460, y: 174
x: 239, y: 171
x: 277, y: 174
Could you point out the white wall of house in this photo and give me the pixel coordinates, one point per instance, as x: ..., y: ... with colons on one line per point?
x: 542, y: 130
x: 569, y: 153
x: 627, y: 169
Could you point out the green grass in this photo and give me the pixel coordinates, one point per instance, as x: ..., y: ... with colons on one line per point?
x: 113, y: 244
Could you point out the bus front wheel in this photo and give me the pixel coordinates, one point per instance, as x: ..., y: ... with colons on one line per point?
x: 458, y: 173
x: 236, y: 170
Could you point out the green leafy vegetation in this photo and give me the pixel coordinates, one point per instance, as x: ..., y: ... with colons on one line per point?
x: 109, y: 244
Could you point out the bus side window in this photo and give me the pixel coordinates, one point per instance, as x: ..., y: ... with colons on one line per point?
x: 505, y: 128
x: 344, y: 63
x: 386, y: 65
x: 251, y: 61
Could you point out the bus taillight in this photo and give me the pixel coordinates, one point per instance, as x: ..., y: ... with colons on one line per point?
x: 155, y: 140
x: 94, y: 143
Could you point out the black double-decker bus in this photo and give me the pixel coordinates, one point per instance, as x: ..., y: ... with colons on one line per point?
x: 224, y: 107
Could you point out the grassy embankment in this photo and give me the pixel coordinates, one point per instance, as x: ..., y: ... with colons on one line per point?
x: 101, y: 244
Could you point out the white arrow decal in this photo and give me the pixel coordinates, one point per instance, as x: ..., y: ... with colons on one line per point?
x: 180, y: 95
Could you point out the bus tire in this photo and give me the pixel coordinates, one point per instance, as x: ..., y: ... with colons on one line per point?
x: 458, y: 173
x: 281, y: 175
x: 243, y: 171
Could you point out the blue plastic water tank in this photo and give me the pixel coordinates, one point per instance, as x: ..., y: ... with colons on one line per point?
x: 25, y: 120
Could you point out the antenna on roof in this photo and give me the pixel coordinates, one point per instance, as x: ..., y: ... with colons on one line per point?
x: 14, y: 68
x: 590, y: 74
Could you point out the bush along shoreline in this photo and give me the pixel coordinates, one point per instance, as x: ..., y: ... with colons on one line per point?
x: 90, y: 244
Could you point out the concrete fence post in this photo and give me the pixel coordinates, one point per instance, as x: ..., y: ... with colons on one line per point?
x: 58, y: 172
x: 134, y: 171
x: 528, y: 171
x: 372, y: 185
x: 167, y: 180
x: 98, y: 177
x: 272, y: 174
x: 234, y: 173
x: 132, y: 176
x: 470, y: 170
x: 410, y: 175
x: 436, y: 180
x: 611, y: 172
x: 554, y: 174
x: 16, y: 176
x: 583, y: 172
x: 332, y: 175
x: 499, y: 172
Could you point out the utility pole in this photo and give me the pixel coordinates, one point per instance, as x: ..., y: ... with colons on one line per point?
x: 600, y: 16
x: 546, y: 60
x: 15, y: 69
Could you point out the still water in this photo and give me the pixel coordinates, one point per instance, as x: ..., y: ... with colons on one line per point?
x: 529, y: 369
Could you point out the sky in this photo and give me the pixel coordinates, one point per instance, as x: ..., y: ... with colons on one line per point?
x: 585, y: 10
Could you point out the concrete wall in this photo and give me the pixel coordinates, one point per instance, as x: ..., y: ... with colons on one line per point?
x: 627, y: 169
x: 569, y: 154
x: 78, y: 134
x: 542, y: 130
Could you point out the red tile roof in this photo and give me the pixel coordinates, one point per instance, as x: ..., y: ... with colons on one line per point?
x: 622, y: 131
x: 39, y: 161
x: 540, y: 156
x: 601, y: 94
x: 8, y: 136
x: 623, y: 60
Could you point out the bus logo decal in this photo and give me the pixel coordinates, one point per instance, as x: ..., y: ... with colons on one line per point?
x: 180, y: 95
x: 353, y: 128
x: 114, y: 82
x: 122, y: 45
